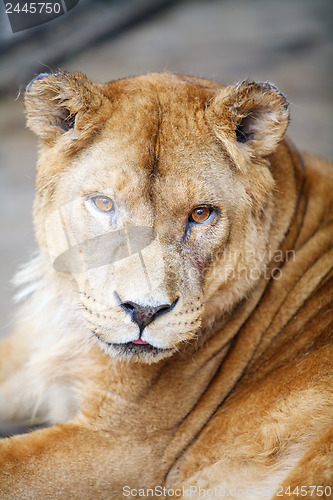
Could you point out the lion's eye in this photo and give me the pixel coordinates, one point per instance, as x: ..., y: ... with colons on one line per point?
x: 200, y: 214
x: 103, y: 203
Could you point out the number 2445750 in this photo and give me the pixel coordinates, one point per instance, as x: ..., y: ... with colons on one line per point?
x: 33, y: 8
x: 315, y: 491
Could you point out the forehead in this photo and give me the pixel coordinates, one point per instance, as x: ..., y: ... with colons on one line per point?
x: 155, y: 141
x: 155, y: 124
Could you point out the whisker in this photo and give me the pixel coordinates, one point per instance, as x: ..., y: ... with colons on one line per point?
x: 88, y: 338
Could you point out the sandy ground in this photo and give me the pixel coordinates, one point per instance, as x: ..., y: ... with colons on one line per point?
x: 288, y: 42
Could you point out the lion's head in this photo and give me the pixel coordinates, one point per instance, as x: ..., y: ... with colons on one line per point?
x: 155, y: 201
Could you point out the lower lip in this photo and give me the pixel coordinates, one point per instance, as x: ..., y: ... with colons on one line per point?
x: 140, y: 341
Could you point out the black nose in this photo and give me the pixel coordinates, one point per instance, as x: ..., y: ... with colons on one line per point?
x: 143, y: 315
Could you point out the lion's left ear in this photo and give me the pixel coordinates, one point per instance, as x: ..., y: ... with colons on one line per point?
x: 57, y: 102
x: 254, y: 116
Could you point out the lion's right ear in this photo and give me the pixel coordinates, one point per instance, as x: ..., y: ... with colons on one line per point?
x: 56, y: 103
x: 250, y: 118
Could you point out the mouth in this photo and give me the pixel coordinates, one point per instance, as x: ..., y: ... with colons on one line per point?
x: 145, y: 353
x: 140, y: 341
x: 137, y: 349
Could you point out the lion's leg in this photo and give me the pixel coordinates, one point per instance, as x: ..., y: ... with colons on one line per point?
x: 74, y: 461
x: 63, y: 461
x: 314, y: 472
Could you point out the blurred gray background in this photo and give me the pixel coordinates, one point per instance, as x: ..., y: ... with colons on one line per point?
x: 288, y: 42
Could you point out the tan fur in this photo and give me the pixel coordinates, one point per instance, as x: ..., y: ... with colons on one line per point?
x: 235, y: 390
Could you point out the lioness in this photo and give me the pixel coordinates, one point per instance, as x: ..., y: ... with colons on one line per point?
x: 176, y: 323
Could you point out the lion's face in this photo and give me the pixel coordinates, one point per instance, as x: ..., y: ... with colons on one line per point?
x: 154, y: 207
